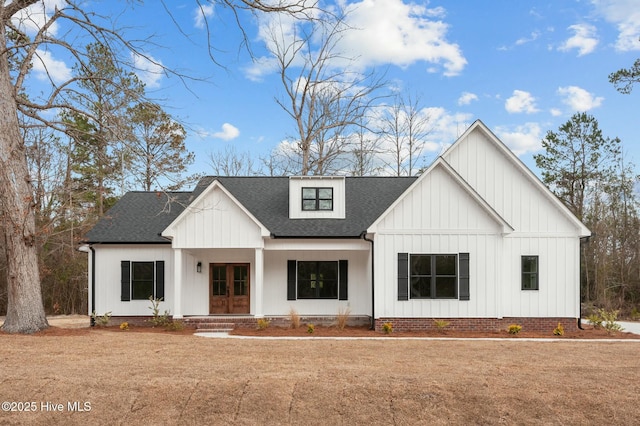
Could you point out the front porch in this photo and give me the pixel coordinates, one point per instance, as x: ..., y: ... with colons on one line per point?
x: 224, y: 323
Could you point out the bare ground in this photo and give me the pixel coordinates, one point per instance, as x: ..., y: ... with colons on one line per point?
x: 156, y: 377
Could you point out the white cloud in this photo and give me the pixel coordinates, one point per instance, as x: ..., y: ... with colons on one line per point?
x: 381, y: 32
x: 466, y: 98
x: 392, y: 32
x: 521, y: 139
x: 532, y: 37
x: 584, y: 39
x: 578, y: 99
x: 201, y: 13
x: 228, y: 132
x: 445, y: 128
x: 555, y: 112
x: 625, y: 14
x: 47, y: 68
x: 521, y: 101
x: 148, y: 69
x: 34, y: 17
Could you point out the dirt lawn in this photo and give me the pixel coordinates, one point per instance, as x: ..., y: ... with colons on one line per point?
x: 135, y: 377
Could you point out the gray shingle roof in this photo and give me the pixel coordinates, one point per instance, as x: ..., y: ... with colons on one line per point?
x: 139, y: 217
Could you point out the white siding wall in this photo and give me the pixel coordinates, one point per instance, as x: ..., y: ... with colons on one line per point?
x: 558, y: 294
x: 216, y: 221
x: 438, y: 217
x: 108, y: 258
x: 500, y: 182
x: 296, y: 183
x: 275, y: 286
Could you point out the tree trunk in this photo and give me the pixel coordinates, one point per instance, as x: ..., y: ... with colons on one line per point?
x: 25, y: 312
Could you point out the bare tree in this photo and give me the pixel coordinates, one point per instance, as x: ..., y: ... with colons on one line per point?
x: 323, y: 95
x: 18, y: 51
x: 230, y: 162
x: 404, y: 128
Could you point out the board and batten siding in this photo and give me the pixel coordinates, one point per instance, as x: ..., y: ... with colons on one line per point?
x: 215, y: 221
x: 108, y: 294
x: 503, y: 183
x: 438, y: 216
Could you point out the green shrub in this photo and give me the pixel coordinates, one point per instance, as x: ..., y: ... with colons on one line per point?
x: 609, y: 319
x: 595, y: 320
x: 311, y: 328
x: 157, y: 319
x: 263, y: 323
x: 635, y: 314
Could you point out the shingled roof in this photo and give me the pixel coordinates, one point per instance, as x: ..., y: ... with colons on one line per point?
x: 140, y: 217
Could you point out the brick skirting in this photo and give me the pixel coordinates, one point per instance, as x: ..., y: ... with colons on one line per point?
x: 478, y: 324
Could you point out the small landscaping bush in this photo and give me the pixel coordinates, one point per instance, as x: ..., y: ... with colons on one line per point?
x: 124, y: 326
x: 101, y: 320
x: 263, y: 323
x: 559, y: 330
x: 311, y: 328
x: 342, y: 318
x: 441, y: 325
x: 514, y: 329
x: 387, y: 328
x: 294, y: 317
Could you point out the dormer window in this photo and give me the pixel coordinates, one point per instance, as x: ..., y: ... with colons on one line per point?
x: 317, y: 199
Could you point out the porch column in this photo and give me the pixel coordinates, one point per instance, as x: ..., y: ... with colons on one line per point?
x: 177, y: 283
x: 259, y: 287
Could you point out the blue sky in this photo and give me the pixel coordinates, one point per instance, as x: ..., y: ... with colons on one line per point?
x: 522, y: 67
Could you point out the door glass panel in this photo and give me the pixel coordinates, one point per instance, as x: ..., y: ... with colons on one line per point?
x: 219, y: 280
x: 240, y: 280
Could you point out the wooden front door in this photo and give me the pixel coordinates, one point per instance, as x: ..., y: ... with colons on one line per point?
x: 229, y: 288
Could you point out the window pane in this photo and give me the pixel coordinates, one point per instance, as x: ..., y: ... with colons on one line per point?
x: 317, y: 280
x: 309, y: 204
x: 420, y: 287
x: 325, y: 193
x: 446, y: 265
x: 420, y: 265
x: 219, y: 280
x: 240, y: 280
x: 142, y: 280
x: 445, y: 287
x: 325, y: 205
x: 308, y: 193
x: 529, y: 263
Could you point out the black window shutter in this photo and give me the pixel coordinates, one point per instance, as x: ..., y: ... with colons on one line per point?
x: 125, y: 281
x: 343, y: 292
x: 291, y: 280
x: 403, y: 276
x: 160, y: 279
x: 464, y: 276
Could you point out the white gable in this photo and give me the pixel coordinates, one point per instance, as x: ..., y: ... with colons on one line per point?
x: 216, y: 220
x: 440, y: 202
x: 509, y: 186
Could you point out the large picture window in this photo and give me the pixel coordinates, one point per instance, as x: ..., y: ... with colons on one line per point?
x: 529, y: 272
x: 317, y: 199
x: 433, y: 276
x: 317, y: 280
x: 141, y: 280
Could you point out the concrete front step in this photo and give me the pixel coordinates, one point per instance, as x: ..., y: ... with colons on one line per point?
x: 221, y: 327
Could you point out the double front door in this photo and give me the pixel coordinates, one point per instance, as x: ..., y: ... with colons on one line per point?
x: 229, y: 288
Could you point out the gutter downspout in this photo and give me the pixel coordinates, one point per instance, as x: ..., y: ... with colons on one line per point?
x: 584, y: 240
x: 373, y: 293
x: 93, y: 285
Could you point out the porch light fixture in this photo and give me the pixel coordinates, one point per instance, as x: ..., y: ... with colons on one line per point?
x: 199, y: 267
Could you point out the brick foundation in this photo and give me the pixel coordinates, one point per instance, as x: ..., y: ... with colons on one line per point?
x: 478, y: 324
